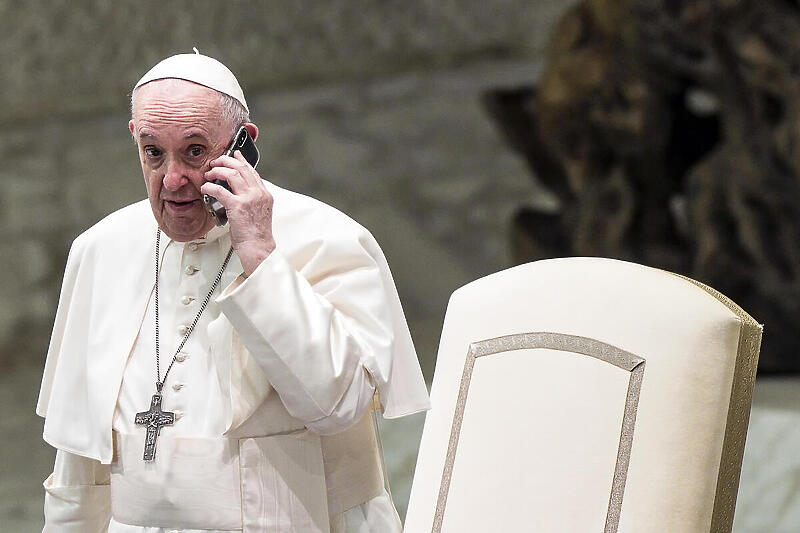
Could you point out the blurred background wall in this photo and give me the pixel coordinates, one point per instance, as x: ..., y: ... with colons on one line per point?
x: 451, y: 129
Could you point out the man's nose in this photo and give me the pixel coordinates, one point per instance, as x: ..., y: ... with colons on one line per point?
x: 175, y: 176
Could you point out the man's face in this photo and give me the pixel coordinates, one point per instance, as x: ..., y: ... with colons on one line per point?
x: 178, y: 128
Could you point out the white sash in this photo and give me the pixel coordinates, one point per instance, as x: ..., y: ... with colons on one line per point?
x: 275, y: 484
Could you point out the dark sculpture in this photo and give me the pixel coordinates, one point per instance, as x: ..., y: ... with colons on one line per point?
x: 669, y: 131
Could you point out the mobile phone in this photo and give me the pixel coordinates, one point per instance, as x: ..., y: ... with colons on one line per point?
x: 244, y: 143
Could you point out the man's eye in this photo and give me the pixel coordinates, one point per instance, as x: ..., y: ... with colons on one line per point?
x: 151, y: 151
x: 196, y: 151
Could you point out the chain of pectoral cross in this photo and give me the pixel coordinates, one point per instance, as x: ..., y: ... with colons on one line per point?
x: 159, y: 381
x: 155, y: 418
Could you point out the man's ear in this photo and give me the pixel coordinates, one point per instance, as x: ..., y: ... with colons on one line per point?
x: 130, y: 126
x: 252, y: 129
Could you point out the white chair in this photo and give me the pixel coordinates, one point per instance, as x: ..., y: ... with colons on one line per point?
x: 586, y: 395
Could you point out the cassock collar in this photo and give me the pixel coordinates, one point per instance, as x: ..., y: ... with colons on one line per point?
x: 213, y: 235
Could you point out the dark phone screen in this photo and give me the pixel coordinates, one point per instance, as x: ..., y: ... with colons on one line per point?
x: 244, y: 143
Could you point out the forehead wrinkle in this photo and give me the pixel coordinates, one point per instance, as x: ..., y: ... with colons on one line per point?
x: 152, y: 122
x: 155, y: 130
x: 177, y: 112
x: 148, y: 132
x: 177, y: 102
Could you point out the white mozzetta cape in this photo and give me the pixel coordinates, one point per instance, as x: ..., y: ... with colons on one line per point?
x: 324, y: 297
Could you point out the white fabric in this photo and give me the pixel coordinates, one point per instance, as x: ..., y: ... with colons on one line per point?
x: 270, y: 483
x: 327, y: 270
x: 193, y: 482
x: 301, y: 342
x: 196, y: 68
x: 77, y: 501
x: 192, y: 389
x: 77, y: 497
x: 541, y: 427
x: 378, y: 514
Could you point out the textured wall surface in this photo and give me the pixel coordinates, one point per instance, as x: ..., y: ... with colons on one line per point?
x: 65, y: 56
x: 412, y: 157
x: 373, y: 107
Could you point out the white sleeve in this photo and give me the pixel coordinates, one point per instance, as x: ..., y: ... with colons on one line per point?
x: 321, y: 334
x: 77, y: 495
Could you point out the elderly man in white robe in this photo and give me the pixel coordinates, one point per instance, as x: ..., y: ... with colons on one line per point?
x: 221, y: 378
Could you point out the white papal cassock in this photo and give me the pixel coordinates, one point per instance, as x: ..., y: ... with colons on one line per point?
x: 279, y: 364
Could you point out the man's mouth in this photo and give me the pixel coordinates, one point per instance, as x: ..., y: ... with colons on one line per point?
x: 181, y: 205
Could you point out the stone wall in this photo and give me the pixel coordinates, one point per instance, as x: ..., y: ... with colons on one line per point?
x: 373, y: 107
x: 80, y: 56
x: 412, y: 157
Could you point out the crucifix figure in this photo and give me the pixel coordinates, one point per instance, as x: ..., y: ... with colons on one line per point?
x: 154, y: 419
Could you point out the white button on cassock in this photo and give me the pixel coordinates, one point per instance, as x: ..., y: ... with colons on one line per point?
x: 178, y: 414
x: 186, y: 300
x: 191, y: 269
x: 181, y: 357
x: 193, y: 246
x: 177, y: 386
x: 182, y: 329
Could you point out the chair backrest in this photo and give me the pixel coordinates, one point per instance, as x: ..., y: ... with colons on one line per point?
x: 586, y: 395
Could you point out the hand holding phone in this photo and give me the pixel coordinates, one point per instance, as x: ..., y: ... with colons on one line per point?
x: 243, y: 143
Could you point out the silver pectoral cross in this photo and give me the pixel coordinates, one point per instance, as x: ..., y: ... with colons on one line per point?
x: 154, y: 419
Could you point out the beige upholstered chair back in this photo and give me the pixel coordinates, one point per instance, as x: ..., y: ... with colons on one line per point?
x: 586, y: 395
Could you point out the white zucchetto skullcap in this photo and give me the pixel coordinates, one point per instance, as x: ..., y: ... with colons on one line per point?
x: 199, y: 69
